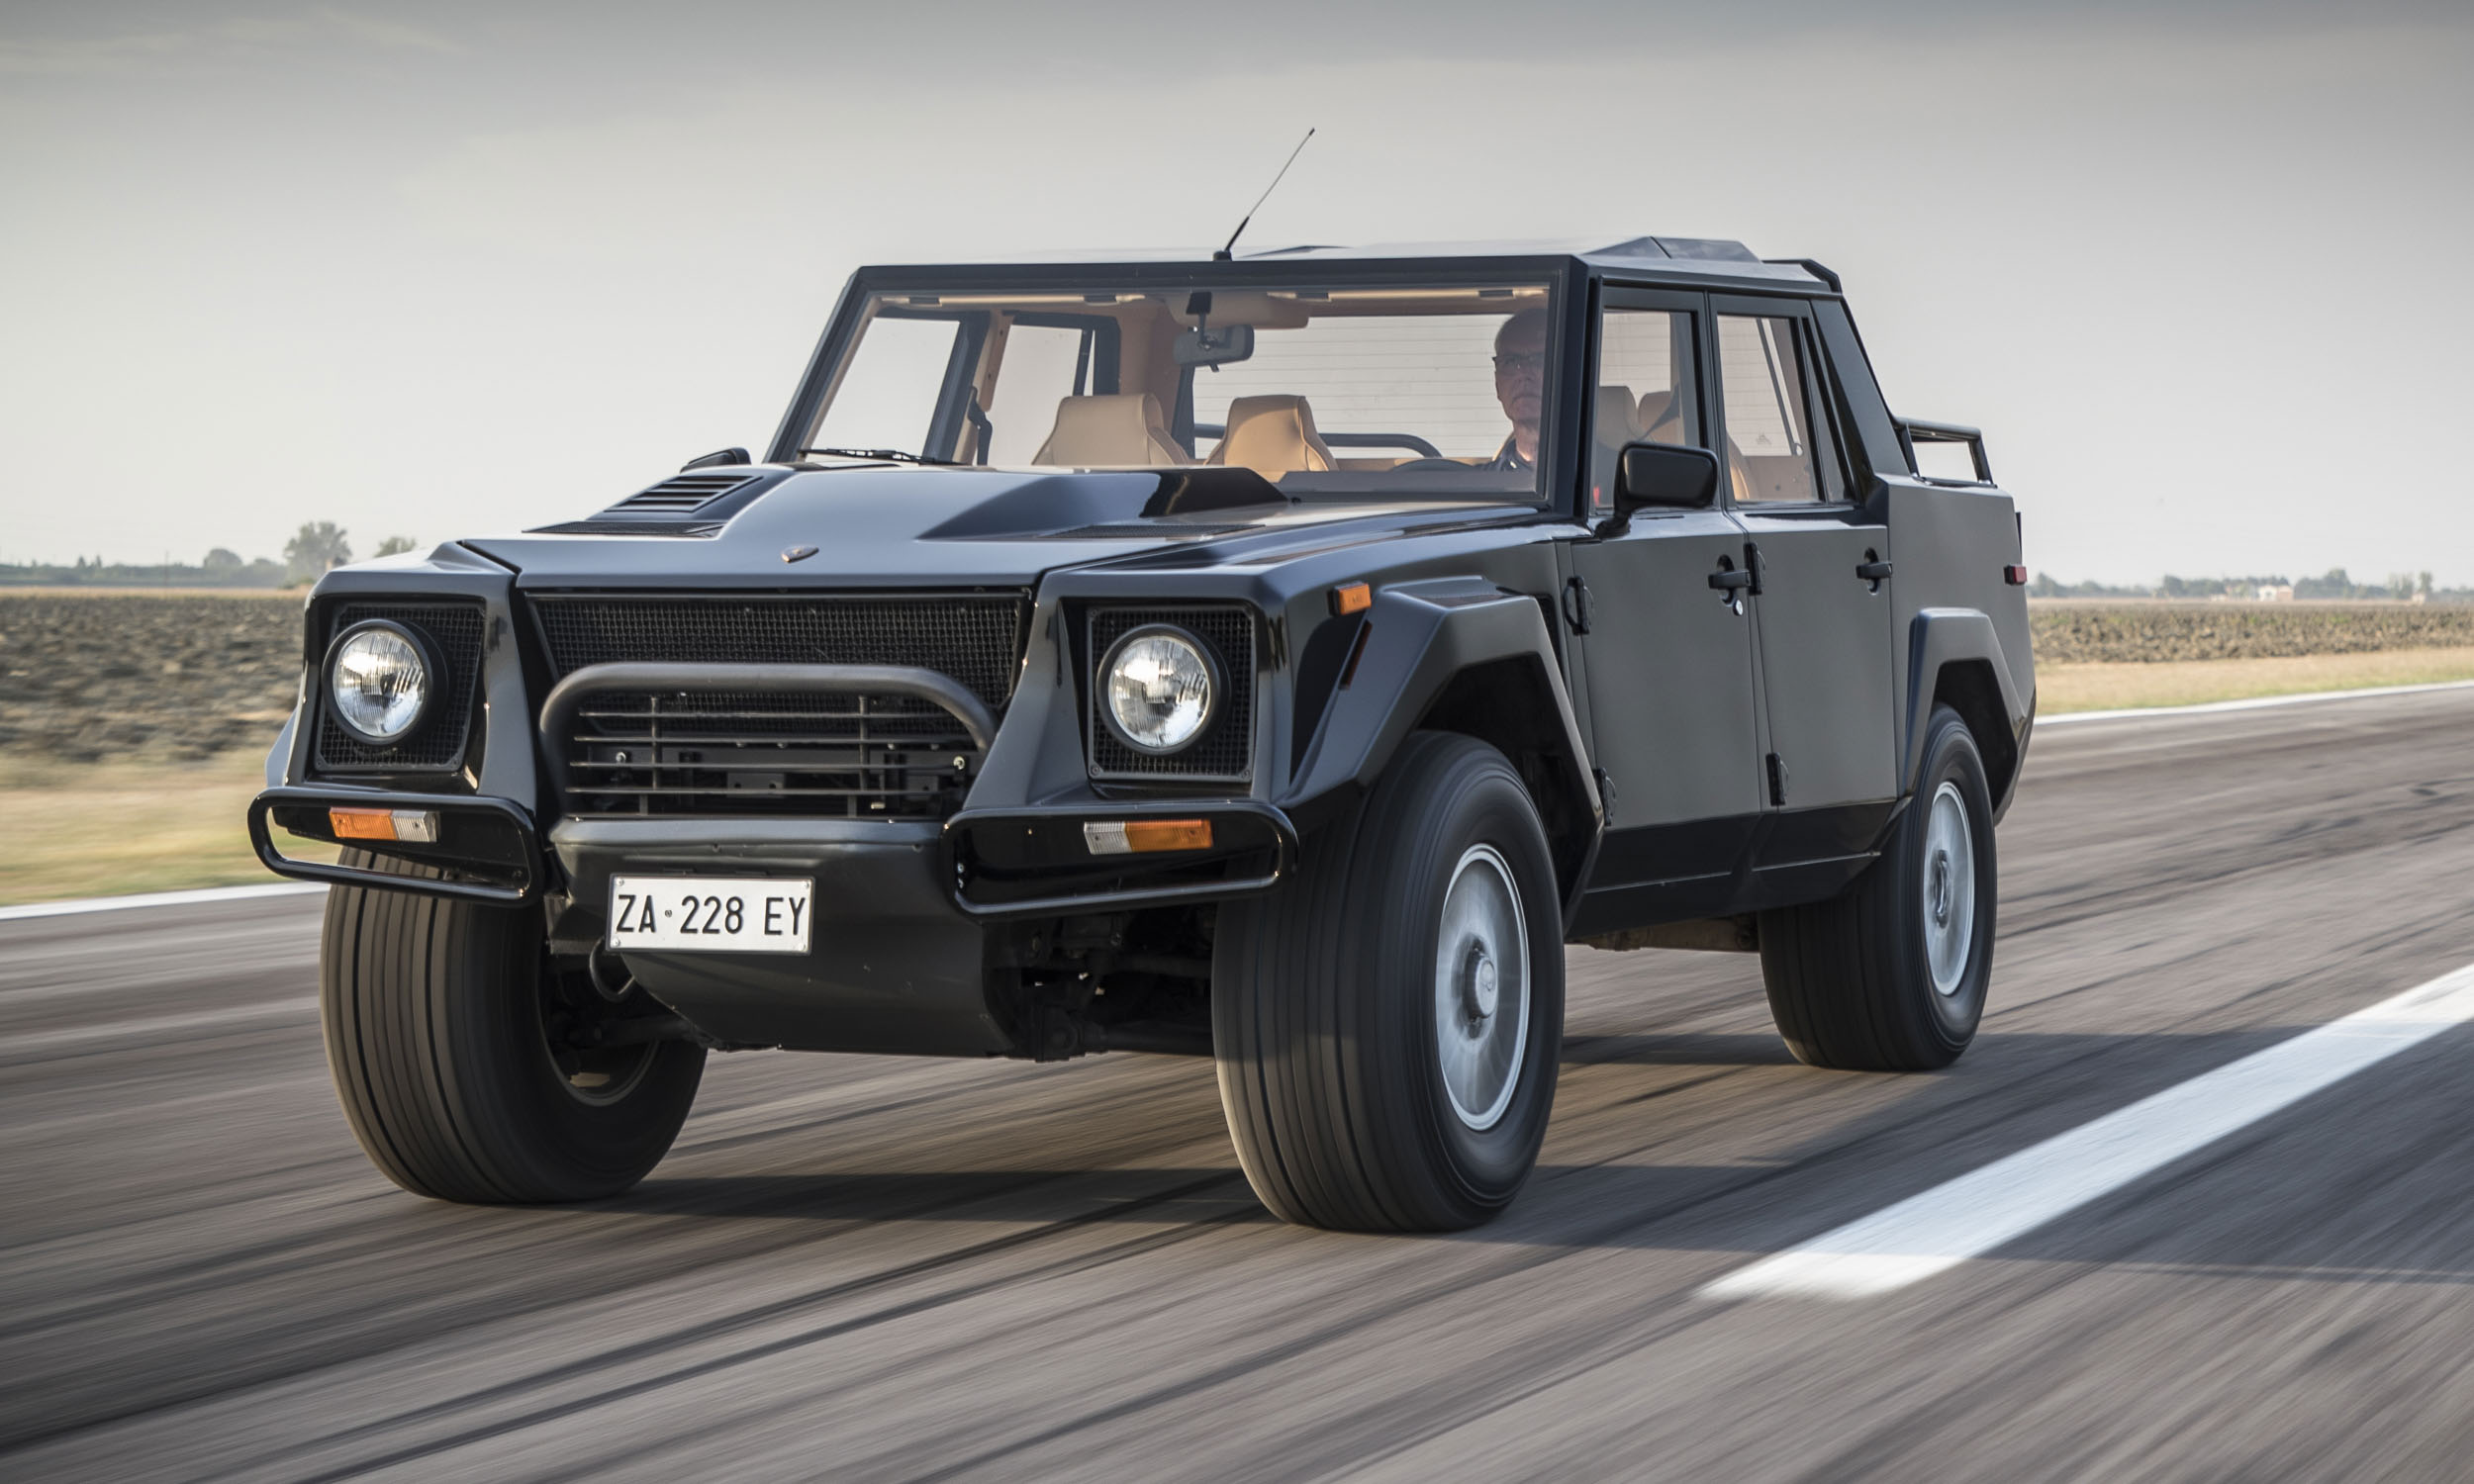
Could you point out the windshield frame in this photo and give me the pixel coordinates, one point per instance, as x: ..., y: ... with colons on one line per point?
x: 1565, y: 279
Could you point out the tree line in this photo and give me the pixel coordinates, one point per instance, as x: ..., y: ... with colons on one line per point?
x: 316, y: 547
x: 2400, y: 587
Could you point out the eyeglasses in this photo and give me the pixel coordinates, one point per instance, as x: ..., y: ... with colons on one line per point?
x: 1521, y: 360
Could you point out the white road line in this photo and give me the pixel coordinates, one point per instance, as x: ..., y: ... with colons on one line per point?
x: 156, y: 900
x: 2254, y: 704
x: 1976, y: 1213
x: 211, y: 1021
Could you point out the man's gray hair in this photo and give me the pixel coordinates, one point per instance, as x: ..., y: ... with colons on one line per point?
x: 1535, y: 315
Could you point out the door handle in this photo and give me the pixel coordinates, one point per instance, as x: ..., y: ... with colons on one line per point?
x: 1731, y: 583
x: 1873, y: 571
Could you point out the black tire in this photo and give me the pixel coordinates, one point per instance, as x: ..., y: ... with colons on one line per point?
x: 434, y: 1018
x: 1853, y: 981
x: 1325, y: 1012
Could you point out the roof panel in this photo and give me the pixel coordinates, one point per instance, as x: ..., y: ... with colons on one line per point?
x: 1695, y: 259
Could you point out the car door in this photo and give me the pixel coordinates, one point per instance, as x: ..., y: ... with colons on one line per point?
x: 1668, y: 660
x: 1822, y: 615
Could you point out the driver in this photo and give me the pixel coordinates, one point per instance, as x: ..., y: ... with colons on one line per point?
x: 1520, y: 385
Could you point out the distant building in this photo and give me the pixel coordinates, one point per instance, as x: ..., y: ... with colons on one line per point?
x: 2268, y: 594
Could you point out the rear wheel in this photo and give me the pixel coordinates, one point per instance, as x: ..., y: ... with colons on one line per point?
x: 452, y: 1051
x: 1890, y: 975
x: 1388, y: 1024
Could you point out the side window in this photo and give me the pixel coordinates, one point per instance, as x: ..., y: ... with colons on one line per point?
x: 1043, y: 365
x: 1772, y: 399
x: 888, y: 388
x: 1644, y: 390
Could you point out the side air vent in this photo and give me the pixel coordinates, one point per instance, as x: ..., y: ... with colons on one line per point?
x: 679, y: 493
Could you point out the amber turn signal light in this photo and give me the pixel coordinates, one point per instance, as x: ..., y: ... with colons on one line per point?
x: 415, y: 826
x: 1125, y: 837
x: 1353, y: 598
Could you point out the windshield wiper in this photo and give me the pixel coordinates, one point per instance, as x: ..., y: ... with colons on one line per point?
x: 889, y: 455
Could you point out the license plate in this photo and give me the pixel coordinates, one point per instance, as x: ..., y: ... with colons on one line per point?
x: 709, y: 914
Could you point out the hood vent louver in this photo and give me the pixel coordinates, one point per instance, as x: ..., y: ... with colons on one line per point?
x: 1147, y: 530
x: 680, y: 494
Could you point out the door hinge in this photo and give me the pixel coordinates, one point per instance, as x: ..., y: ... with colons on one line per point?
x: 1777, y: 781
x: 1752, y: 566
x: 1576, y: 606
x: 1606, y: 795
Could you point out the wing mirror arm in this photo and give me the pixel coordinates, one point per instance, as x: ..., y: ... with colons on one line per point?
x: 1661, y: 476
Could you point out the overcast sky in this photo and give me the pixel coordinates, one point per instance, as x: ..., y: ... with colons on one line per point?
x: 2198, y: 270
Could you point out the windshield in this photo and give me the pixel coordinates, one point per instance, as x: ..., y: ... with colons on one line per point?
x: 1386, y: 391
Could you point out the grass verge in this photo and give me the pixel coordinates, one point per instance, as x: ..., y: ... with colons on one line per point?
x: 102, y: 829
x: 2108, y: 686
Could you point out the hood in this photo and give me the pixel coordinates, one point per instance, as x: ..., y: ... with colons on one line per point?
x: 872, y: 526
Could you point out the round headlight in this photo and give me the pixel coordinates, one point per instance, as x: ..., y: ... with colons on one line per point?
x: 378, y: 681
x: 1159, y: 689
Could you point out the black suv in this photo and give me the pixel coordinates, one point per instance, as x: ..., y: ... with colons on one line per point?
x: 1276, y: 659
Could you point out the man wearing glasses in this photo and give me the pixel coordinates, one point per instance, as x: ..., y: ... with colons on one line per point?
x: 1520, y: 385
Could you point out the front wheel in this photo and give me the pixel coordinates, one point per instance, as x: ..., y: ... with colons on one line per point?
x: 1388, y: 1023
x: 447, y: 1035
x: 1890, y: 975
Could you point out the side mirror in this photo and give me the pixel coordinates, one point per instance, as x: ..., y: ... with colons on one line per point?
x: 1214, y: 348
x: 1665, y: 476
x: 715, y: 460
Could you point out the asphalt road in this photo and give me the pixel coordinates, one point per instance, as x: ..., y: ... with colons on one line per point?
x: 869, y: 1269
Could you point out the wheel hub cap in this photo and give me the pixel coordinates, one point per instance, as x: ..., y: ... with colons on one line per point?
x: 1949, y: 889
x: 1481, y: 988
x: 1481, y: 991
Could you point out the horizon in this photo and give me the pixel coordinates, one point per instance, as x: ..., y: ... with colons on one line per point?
x: 495, y: 267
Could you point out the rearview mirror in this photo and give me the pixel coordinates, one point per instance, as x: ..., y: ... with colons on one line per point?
x: 1199, y: 346
x: 1663, y: 476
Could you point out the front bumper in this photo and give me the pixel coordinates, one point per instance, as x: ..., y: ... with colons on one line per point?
x: 893, y: 965
x: 487, y: 850
x: 901, y: 954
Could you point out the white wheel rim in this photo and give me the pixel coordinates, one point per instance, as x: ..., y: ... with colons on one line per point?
x: 1481, y: 988
x: 1949, y: 889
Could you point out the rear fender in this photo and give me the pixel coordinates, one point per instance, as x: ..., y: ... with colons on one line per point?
x: 1961, y: 644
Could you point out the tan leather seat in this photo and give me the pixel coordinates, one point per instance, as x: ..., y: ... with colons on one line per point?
x: 1659, y: 418
x: 1272, y: 436
x: 1121, y: 429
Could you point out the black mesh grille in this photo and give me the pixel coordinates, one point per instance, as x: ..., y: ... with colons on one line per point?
x: 710, y: 752
x: 1225, y: 751
x: 826, y: 755
x: 974, y: 639
x: 453, y: 630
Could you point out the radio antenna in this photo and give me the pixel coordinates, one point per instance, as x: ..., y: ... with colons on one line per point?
x: 1221, y: 256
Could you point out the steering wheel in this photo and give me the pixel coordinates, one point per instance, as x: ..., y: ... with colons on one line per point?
x: 1430, y: 466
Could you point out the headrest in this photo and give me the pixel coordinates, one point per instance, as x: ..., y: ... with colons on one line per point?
x: 1121, y: 428
x: 1612, y: 417
x: 1272, y: 436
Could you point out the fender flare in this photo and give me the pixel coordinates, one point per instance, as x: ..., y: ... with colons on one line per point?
x: 1936, y: 639
x: 1420, y: 637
